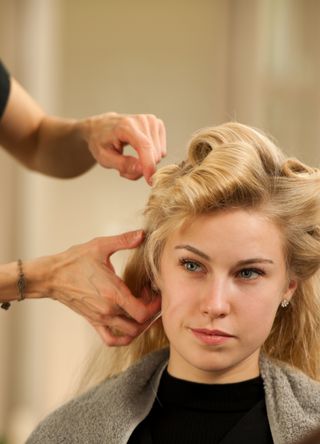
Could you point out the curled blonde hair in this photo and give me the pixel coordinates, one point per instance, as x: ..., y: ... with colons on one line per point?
x: 235, y: 166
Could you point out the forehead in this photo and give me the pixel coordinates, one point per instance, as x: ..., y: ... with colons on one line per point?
x: 238, y: 232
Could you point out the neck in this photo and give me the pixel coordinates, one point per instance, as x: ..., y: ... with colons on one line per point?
x: 213, y: 371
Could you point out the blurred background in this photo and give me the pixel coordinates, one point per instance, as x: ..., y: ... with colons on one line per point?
x: 193, y: 63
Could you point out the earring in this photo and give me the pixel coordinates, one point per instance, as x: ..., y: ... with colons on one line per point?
x: 285, y: 303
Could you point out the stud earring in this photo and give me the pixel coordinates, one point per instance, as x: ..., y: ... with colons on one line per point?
x: 285, y: 303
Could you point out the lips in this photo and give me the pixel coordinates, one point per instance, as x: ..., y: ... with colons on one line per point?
x: 211, y: 337
x: 207, y: 331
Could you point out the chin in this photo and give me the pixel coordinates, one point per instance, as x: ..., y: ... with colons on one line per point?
x: 216, y: 363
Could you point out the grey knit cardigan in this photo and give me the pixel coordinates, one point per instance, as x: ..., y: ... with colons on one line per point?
x: 110, y: 412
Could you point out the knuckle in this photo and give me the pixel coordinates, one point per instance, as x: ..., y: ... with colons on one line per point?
x: 111, y: 114
x: 112, y: 298
x: 110, y: 341
x: 143, y: 120
x: 142, y: 316
x: 135, y: 330
x: 127, y: 122
x: 104, y: 316
x: 95, y: 243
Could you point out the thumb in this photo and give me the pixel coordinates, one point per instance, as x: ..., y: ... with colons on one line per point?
x: 130, y: 168
x: 123, y: 241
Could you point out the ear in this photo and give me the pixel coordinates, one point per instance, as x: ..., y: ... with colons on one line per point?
x: 291, y: 288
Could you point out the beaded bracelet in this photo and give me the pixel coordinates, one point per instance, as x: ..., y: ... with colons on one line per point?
x: 21, y: 284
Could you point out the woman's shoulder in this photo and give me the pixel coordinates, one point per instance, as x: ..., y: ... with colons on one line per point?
x: 292, y: 399
x: 71, y: 420
x: 277, y: 374
x: 110, y: 404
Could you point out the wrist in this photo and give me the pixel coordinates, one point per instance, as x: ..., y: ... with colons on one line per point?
x: 84, y: 129
x: 91, y: 128
x: 39, y: 274
x: 26, y: 280
x: 8, y: 282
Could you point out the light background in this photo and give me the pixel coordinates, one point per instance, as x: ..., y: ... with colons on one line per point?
x: 193, y: 63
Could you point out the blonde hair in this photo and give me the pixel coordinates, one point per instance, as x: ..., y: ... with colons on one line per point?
x: 235, y: 166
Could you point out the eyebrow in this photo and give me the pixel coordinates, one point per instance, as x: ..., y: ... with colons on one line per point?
x: 254, y: 260
x: 193, y: 250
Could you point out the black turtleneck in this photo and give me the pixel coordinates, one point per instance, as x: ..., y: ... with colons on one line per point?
x: 192, y: 413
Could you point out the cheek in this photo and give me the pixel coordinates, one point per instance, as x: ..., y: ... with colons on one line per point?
x: 265, y: 300
x: 173, y: 303
x: 177, y: 306
x: 257, y: 318
x: 171, y: 315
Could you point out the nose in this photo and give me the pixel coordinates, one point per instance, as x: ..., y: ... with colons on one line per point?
x: 215, y: 299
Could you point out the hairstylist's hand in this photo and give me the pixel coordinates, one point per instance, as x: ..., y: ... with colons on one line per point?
x: 107, y: 134
x: 85, y: 281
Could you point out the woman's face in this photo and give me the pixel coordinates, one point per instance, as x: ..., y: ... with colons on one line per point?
x: 222, y: 279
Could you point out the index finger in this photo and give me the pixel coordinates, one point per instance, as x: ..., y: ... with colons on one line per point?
x: 144, y: 147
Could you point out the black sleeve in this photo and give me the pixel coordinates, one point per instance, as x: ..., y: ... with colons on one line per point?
x: 4, y: 88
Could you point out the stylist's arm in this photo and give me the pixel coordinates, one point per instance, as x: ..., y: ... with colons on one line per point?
x: 66, y: 148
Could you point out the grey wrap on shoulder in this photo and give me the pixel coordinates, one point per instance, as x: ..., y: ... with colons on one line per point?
x: 111, y: 411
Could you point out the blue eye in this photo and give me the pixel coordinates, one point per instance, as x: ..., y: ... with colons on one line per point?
x: 190, y: 265
x: 250, y: 273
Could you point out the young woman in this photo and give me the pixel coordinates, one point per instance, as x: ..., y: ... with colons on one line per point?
x: 233, y: 248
